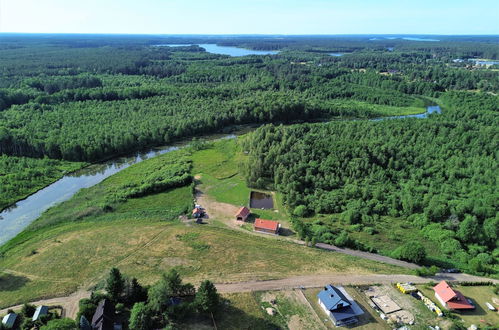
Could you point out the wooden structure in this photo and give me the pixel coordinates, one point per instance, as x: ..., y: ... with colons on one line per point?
x: 243, y: 213
x: 267, y: 226
x: 451, y: 299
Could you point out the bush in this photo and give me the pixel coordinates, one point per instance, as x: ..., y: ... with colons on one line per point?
x: 300, y: 211
x: 411, y: 251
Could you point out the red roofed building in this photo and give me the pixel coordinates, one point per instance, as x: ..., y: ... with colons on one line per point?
x: 267, y: 226
x: 451, y: 299
x: 243, y: 214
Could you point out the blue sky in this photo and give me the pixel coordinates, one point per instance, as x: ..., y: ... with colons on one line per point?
x: 251, y: 17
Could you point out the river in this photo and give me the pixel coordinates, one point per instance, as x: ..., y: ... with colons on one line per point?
x: 16, y: 218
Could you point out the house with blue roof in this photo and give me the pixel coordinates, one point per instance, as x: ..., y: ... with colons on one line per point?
x: 40, y: 311
x: 340, y: 307
x: 9, y: 320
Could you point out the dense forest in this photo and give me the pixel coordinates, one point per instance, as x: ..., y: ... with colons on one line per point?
x: 439, y: 174
x: 65, y: 100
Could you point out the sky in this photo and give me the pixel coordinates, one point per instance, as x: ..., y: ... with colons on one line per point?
x: 251, y: 16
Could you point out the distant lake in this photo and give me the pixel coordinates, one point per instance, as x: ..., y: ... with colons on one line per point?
x: 405, y: 38
x: 336, y: 54
x: 484, y: 62
x: 225, y: 50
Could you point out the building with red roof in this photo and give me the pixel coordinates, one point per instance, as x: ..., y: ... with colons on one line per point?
x: 243, y: 213
x: 267, y: 226
x: 450, y: 298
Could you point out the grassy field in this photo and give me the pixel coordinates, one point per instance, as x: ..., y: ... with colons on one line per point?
x: 481, y: 316
x: 75, y: 243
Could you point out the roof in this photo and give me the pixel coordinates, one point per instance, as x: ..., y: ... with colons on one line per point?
x: 453, y: 298
x: 9, y: 320
x: 266, y: 224
x: 333, y: 298
x: 40, y: 311
x: 103, y: 318
x: 444, y: 291
x: 460, y: 302
x: 243, y: 212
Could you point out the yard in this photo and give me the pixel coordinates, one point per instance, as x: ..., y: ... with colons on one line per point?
x: 481, y: 316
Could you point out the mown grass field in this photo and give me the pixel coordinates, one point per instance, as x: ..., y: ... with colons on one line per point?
x: 481, y: 316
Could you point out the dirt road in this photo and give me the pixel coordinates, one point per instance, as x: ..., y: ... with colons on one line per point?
x: 367, y: 255
x: 315, y: 281
x: 68, y: 303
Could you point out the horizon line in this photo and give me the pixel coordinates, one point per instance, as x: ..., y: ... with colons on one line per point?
x: 250, y: 34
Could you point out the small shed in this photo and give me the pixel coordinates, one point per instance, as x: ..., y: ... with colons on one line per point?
x: 40, y: 311
x: 9, y: 320
x: 267, y: 226
x: 243, y: 213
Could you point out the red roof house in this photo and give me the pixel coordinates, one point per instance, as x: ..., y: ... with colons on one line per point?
x: 267, y: 226
x: 450, y: 298
x: 243, y: 214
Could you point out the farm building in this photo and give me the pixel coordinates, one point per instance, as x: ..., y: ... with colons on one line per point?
x: 104, y: 315
x: 9, y: 320
x: 40, y: 311
x: 340, y: 307
x: 267, y: 226
x: 243, y: 214
x: 451, y: 299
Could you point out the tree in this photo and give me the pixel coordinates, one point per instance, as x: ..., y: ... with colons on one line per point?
x: 314, y: 241
x: 87, y: 309
x: 300, y: 211
x: 134, y: 292
x: 412, y: 251
x: 60, y: 324
x: 140, y: 317
x: 28, y: 310
x: 84, y: 324
x: 468, y: 229
x: 207, y: 298
x: 170, y: 285
x: 115, y: 284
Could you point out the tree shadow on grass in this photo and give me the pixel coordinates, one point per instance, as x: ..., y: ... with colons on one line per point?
x: 9, y: 282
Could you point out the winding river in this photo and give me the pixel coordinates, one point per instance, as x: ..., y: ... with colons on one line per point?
x: 16, y: 218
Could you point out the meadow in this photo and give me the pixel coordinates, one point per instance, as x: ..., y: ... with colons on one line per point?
x: 74, y: 244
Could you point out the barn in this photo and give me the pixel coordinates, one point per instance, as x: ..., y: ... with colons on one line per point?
x: 243, y: 214
x: 267, y: 226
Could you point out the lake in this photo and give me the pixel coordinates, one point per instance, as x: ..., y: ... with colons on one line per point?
x: 225, y: 50
x: 336, y: 54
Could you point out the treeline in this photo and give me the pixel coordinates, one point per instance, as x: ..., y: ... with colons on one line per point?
x: 438, y: 173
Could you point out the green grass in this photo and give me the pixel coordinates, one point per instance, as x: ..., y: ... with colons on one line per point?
x: 76, y: 242
x: 481, y: 316
x: 377, y: 109
x: 220, y: 172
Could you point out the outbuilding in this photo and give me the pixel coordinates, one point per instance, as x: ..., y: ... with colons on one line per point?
x: 267, y: 226
x: 243, y: 213
x: 40, y: 311
x: 9, y: 320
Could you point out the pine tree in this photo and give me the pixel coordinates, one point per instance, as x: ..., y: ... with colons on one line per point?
x: 115, y: 284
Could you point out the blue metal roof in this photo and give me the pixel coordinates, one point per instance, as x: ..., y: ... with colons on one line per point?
x: 333, y: 298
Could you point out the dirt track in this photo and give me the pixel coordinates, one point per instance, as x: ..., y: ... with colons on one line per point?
x: 314, y: 281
